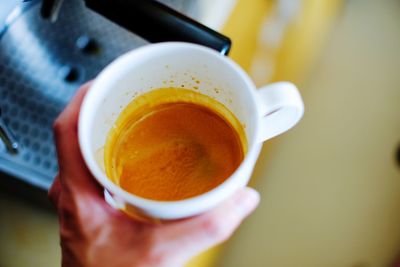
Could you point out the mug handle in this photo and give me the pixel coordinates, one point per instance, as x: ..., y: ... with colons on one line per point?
x: 280, y: 106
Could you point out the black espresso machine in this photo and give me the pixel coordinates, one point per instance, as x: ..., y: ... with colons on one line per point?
x: 49, y: 48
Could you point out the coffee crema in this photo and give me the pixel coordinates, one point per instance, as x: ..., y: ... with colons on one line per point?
x: 172, y: 144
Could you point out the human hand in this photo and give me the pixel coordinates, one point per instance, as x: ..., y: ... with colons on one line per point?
x: 95, y: 234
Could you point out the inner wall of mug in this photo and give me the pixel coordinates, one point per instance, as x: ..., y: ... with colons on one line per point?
x: 165, y: 66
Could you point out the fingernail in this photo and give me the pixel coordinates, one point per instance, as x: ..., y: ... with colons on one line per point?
x: 249, y: 200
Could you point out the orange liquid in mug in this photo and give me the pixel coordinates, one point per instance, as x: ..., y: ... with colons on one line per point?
x: 172, y: 148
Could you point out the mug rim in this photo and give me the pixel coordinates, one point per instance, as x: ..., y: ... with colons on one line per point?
x: 84, y: 129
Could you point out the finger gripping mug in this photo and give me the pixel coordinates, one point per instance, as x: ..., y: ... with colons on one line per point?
x: 264, y: 113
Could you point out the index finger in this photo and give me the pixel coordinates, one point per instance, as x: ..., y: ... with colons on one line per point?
x: 66, y: 128
x: 70, y: 160
x: 197, y: 234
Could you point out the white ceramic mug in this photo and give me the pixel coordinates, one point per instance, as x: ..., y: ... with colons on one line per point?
x: 264, y: 113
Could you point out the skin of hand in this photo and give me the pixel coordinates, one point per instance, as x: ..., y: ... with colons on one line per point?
x: 93, y: 233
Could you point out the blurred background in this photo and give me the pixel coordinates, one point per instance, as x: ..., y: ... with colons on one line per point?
x: 330, y: 188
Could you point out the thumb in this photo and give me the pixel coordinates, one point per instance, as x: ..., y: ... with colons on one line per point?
x: 197, y: 234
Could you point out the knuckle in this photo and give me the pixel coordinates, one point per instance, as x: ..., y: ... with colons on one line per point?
x: 57, y: 126
x: 64, y: 123
x: 54, y: 191
x: 52, y: 195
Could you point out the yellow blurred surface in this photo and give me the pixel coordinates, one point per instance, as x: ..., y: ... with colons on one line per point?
x: 243, y: 28
x: 29, y: 235
x: 305, y: 38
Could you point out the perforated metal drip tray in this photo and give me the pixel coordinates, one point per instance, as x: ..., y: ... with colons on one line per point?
x: 41, y: 66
